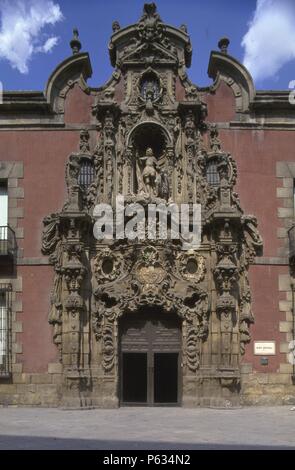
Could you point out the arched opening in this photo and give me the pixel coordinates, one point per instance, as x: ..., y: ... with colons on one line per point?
x: 149, y: 135
x: 150, y: 355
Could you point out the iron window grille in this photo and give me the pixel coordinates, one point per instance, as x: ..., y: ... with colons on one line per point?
x: 212, y: 174
x: 7, y: 241
x: 5, y: 330
x: 86, y: 175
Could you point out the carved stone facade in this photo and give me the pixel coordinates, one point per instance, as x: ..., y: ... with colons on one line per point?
x: 151, y: 148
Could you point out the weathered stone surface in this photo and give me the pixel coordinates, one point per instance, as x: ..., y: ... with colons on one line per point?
x: 285, y: 192
x: 284, y: 212
x: 285, y: 326
x: 41, y: 379
x: 55, y: 368
x: 285, y: 306
x: 286, y: 368
x: 284, y: 282
x: 283, y: 170
x: 288, y: 182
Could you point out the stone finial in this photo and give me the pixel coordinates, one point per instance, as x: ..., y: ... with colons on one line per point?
x: 223, y: 45
x: 150, y: 8
x: 150, y: 11
x: 75, y: 42
x: 116, y: 26
x: 183, y: 28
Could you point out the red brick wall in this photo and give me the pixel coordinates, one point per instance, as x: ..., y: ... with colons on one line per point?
x: 36, y: 338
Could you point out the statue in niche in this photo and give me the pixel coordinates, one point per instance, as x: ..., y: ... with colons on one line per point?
x: 152, y: 180
x: 150, y: 90
x: 150, y: 94
x: 148, y: 178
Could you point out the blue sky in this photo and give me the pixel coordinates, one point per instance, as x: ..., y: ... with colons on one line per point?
x: 32, y: 46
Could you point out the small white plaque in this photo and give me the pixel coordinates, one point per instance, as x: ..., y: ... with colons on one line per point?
x: 264, y: 348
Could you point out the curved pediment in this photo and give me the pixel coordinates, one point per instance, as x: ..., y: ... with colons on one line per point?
x: 149, y: 41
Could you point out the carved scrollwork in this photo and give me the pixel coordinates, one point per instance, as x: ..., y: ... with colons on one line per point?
x: 215, y: 143
x: 108, y: 346
x: 51, y: 245
x: 192, y: 347
x: 109, y: 149
x: 150, y: 27
x: 149, y: 45
x: 226, y: 271
x: 56, y: 306
x: 190, y: 149
x: 226, y: 275
x: 74, y: 272
x: 252, y: 239
x: 148, y: 281
x: 196, y: 327
x: 51, y: 235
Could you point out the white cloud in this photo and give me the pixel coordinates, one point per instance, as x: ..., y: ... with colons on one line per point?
x: 22, y: 30
x: 48, y: 46
x: 270, y: 40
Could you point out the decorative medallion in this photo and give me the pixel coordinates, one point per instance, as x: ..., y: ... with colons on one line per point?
x: 192, y: 266
x: 150, y: 274
x: 107, y: 265
x: 149, y: 270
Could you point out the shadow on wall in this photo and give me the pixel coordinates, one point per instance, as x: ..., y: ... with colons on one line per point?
x: 52, y: 443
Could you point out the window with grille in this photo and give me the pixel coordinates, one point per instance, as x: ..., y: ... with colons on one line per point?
x: 212, y: 174
x: 5, y: 330
x: 86, y: 175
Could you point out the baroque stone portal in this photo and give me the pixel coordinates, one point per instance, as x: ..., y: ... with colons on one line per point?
x: 153, y: 144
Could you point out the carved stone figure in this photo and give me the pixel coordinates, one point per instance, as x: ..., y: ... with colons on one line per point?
x: 148, y: 177
x: 84, y: 141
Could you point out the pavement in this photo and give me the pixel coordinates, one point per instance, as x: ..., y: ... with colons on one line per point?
x: 147, y: 428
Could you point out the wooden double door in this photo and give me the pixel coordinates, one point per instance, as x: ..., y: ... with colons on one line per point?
x: 150, y: 358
